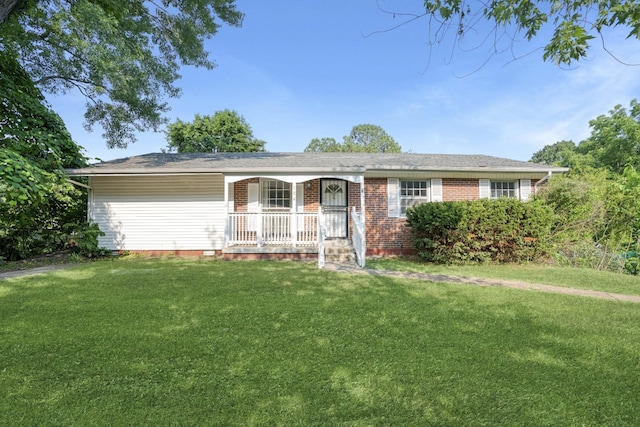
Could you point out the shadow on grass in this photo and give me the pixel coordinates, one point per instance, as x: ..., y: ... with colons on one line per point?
x: 244, y: 343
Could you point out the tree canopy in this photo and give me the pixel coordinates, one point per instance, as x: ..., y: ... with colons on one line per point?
x: 571, y: 24
x: 614, y: 143
x: 554, y: 154
x: 123, y: 56
x: 39, y: 208
x: 364, y: 138
x: 225, y: 131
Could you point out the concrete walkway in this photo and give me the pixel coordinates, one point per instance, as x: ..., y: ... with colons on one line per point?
x: 36, y: 270
x: 477, y: 281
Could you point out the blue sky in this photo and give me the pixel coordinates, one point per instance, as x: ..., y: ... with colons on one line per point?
x: 298, y: 70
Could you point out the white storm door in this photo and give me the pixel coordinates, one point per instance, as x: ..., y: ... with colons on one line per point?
x: 334, y: 205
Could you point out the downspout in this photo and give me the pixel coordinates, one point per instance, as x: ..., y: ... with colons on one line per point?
x: 544, y: 178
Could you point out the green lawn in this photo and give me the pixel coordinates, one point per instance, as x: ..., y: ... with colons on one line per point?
x: 188, y: 342
x: 583, y: 278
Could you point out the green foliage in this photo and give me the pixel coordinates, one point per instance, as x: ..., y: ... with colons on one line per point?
x: 504, y: 230
x: 85, y: 240
x: 326, y: 145
x: 597, y: 217
x: 39, y: 208
x: 614, y: 143
x: 615, y: 139
x: 555, y: 154
x: 363, y: 138
x: 123, y: 56
x: 367, y: 138
x: 225, y: 131
x: 572, y: 24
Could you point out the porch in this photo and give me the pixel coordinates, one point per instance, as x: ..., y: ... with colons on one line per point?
x: 289, y: 234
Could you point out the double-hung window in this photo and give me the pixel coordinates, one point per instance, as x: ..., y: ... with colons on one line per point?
x: 276, y: 195
x: 404, y: 193
x: 504, y: 189
x: 413, y: 193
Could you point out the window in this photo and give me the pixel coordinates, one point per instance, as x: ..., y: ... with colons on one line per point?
x: 503, y: 189
x: 413, y: 193
x: 276, y: 195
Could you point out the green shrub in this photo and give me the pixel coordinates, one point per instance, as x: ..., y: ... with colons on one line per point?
x: 85, y: 239
x: 504, y: 230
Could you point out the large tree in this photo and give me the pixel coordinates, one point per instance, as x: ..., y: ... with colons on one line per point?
x: 614, y: 143
x: 123, y: 56
x: 571, y: 24
x: 39, y: 208
x: 557, y: 154
x: 225, y: 131
x: 615, y: 139
x: 364, y: 138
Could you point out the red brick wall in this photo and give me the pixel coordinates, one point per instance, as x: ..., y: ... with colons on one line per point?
x: 391, y: 236
x: 312, y: 195
x: 456, y: 189
x: 384, y: 235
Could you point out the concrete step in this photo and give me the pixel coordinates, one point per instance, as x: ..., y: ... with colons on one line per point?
x: 339, y: 251
x: 341, y: 258
x: 338, y: 243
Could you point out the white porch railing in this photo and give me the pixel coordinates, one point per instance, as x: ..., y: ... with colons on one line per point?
x: 273, y: 228
x: 359, y: 238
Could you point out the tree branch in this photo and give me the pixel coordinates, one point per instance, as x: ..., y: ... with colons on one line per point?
x: 8, y: 7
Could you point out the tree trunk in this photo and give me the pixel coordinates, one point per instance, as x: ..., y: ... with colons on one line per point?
x: 7, y: 7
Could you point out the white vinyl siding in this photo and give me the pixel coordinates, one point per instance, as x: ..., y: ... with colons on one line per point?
x: 159, y: 213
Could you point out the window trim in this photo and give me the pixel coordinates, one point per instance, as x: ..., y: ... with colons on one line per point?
x: 280, y: 189
x: 419, y: 199
x: 394, y: 191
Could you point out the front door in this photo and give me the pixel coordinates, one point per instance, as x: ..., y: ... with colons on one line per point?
x: 333, y: 197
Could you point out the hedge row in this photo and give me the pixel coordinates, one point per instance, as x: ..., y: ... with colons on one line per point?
x: 503, y: 230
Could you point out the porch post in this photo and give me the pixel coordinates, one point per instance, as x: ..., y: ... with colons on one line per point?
x: 226, y: 213
x: 293, y: 216
x: 362, y: 200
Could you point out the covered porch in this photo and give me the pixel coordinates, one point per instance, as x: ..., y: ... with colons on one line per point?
x: 292, y: 214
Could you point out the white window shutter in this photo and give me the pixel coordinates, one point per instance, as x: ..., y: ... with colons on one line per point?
x: 300, y: 197
x: 232, y: 187
x: 485, y: 188
x: 253, y: 203
x: 393, y: 197
x: 436, y: 189
x: 525, y: 189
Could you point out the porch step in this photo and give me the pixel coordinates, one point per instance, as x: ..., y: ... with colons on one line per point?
x: 339, y: 251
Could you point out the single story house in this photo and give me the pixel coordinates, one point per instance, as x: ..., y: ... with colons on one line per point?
x: 286, y: 204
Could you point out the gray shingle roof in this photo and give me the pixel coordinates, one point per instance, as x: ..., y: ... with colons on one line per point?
x: 305, y: 162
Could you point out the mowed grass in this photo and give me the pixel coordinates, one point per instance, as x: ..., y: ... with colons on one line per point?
x: 188, y: 342
x: 582, y: 278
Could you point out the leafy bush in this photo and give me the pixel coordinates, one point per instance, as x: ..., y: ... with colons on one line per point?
x: 85, y: 239
x: 504, y: 230
x: 597, y: 218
